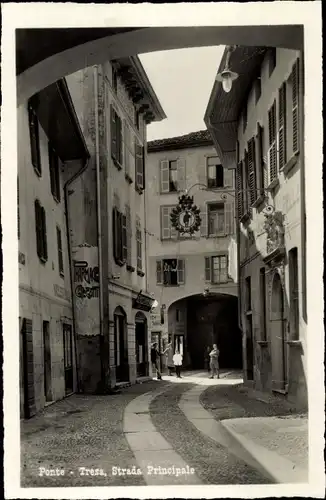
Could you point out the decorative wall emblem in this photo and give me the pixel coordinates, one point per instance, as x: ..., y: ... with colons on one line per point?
x: 274, y: 227
x: 185, y: 216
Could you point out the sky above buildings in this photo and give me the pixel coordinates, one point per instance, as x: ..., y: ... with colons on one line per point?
x: 183, y: 80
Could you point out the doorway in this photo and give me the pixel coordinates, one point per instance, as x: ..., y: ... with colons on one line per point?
x: 279, y: 375
x: 121, y: 345
x: 27, y: 394
x: 47, y: 361
x: 249, y: 348
x: 68, y: 367
x: 141, y: 345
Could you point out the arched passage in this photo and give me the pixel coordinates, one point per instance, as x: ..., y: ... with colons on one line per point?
x: 279, y: 370
x: 197, y: 322
x: 141, y: 337
x: 121, y: 345
x: 60, y: 57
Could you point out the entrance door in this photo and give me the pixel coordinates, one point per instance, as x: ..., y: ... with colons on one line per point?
x: 27, y: 408
x: 68, y: 367
x: 47, y: 361
x: 279, y: 377
x: 121, y: 346
x: 249, y: 349
x: 141, y: 345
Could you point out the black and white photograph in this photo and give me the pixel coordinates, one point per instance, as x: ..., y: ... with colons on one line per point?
x: 161, y: 188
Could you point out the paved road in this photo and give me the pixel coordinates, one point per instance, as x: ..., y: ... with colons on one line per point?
x: 89, y: 440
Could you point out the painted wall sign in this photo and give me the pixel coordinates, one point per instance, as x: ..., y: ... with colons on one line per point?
x: 142, y: 302
x: 60, y: 292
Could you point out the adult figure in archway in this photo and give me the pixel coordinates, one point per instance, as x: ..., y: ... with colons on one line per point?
x: 214, y: 363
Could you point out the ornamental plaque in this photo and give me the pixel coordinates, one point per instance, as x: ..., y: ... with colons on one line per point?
x: 185, y: 216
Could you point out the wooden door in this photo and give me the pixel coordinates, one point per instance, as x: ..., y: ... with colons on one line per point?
x: 47, y: 361
x: 68, y: 365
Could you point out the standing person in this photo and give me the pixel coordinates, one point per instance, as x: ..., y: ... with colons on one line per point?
x: 169, y: 356
x: 214, y: 364
x: 177, y: 360
x: 207, y: 359
x: 156, y: 358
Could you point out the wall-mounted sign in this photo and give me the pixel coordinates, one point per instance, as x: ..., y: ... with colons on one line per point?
x: 185, y: 216
x: 60, y: 292
x: 142, y: 302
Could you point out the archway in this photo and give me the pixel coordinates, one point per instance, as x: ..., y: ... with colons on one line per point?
x: 279, y: 369
x: 121, y: 345
x: 141, y: 337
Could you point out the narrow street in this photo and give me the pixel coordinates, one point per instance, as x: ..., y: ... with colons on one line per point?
x: 155, y: 433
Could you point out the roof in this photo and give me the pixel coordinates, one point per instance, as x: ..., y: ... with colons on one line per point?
x: 192, y: 140
x: 224, y: 109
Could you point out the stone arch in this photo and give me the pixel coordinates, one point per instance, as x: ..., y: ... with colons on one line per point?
x: 278, y: 334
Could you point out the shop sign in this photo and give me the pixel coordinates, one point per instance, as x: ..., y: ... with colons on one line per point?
x: 142, y: 302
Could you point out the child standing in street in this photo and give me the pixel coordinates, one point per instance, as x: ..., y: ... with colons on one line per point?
x: 177, y: 361
x: 214, y: 363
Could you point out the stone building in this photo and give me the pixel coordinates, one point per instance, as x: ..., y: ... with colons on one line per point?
x: 50, y: 149
x: 258, y: 129
x: 107, y: 212
x: 191, y: 276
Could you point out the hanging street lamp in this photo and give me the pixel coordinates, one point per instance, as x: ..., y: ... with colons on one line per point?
x: 227, y: 76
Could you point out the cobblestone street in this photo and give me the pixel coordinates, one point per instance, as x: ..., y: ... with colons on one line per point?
x: 173, y: 426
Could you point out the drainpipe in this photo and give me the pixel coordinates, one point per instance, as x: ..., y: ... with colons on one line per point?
x: 65, y: 189
x: 99, y: 221
x: 238, y: 233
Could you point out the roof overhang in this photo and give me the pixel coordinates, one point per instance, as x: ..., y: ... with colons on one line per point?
x: 223, y: 109
x: 58, y: 119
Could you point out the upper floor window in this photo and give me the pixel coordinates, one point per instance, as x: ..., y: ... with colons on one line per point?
x: 34, y: 139
x: 60, y: 252
x: 215, y: 173
x: 216, y: 269
x: 119, y: 237
x: 140, y: 167
x: 137, y: 119
x: 40, y: 227
x: 295, y: 81
x: 170, y: 272
x: 272, y: 158
x: 139, y: 242
x: 116, y: 138
x: 272, y: 60
x: 294, y: 293
x: 129, y: 238
x: 172, y: 175
x: 54, y: 173
x: 281, y: 143
x: 114, y: 79
x: 216, y: 218
x: 167, y: 230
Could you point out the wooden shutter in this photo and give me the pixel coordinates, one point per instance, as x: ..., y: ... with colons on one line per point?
x: 173, y: 231
x: 181, y: 174
x: 228, y: 217
x: 165, y: 223
x: 34, y: 138
x: 282, y: 126
x: 126, y: 144
x: 139, y: 165
x: 159, y: 272
x: 44, y: 235
x: 113, y: 133
x: 124, y: 237
x: 181, y: 271
x: 203, y: 225
x: 208, y: 269
x: 295, y: 106
x: 139, y: 246
x: 60, y: 253
x: 228, y: 177
x: 129, y: 234
x: 119, y: 140
x: 38, y: 228
x: 28, y: 368
x: 262, y: 173
x: 115, y: 233
x: 239, y: 192
x: 51, y: 156
x: 164, y: 176
x: 18, y: 212
x: 252, y: 171
x: 246, y: 183
x: 272, y: 160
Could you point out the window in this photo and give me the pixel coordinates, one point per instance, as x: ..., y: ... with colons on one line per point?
x: 167, y: 230
x: 172, y: 175
x: 239, y: 192
x: 140, y: 167
x: 40, y: 226
x: 54, y: 173
x: 294, y: 293
x: 114, y: 79
x: 282, y: 126
x: 139, y: 247
x: 216, y: 269
x: 35, y: 140
x: 248, y: 293
x: 216, y: 219
x: 129, y: 238
x: 128, y: 153
x: 272, y: 60
x: 252, y: 171
x: 116, y: 138
x: 60, y: 252
x: 119, y: 237
x: 272, y: 160
x: 295, y: 106
x: 170, y: 272
x: 215, y: 173
x: 257, y: 88
x: 262, y: 278
x: 261, y: 163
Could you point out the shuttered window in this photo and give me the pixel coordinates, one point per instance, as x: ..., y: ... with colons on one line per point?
x: 124, y: 237
x: 28, y: 367
x: 140, y: 167
x: 246, y: 188
x: 216, y: 219
x: 239, y: 192
x: 170, y: 272
x: 127, y: 148
x: 167, y: 230
x: 60, y: 252
x: 282, y: 126
x: 54, y: 172
x: 119, y: 236
x: 40, y: 227
x: 139, y: 246
x: 295, y: 106
x: 252, y: 171
x: 215, y: 173
x: 129, y: 235
x: 294, y: 293
x: 216, y: 269
x: 172, y: 175
x: 34, y: 139
x: 272, y: 160
x: 116, y: 138
x: 262, y: 173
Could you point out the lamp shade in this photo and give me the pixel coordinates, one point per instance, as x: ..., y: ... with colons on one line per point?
x: 226, y: 77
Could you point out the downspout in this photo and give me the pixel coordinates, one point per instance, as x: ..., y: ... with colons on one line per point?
x: 65, y: 189
x: 239, y: 267
x: 99, y: 221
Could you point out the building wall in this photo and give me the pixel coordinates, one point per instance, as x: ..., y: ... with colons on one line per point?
x: 44, y: 294
x: 286, y: 198
x: 192, y: 250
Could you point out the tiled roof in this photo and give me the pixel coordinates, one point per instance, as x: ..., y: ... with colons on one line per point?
x: 194, y: 139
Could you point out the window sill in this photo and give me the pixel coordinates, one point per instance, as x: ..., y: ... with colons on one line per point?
x: 290, y: 164
x: 130, y: 268
x: 62, y: 274
x: 140, y: 273
x: 116, y: 163
x: 294, y: 343
x: 248, y: 313
x: 275, y: 183
x: 263, y: 343
x: 128, y: 178
x: 120, y: 262
x: 260, y: 200
x: 43, y: 260
x: 170, y: 286
x: 245, y: 218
